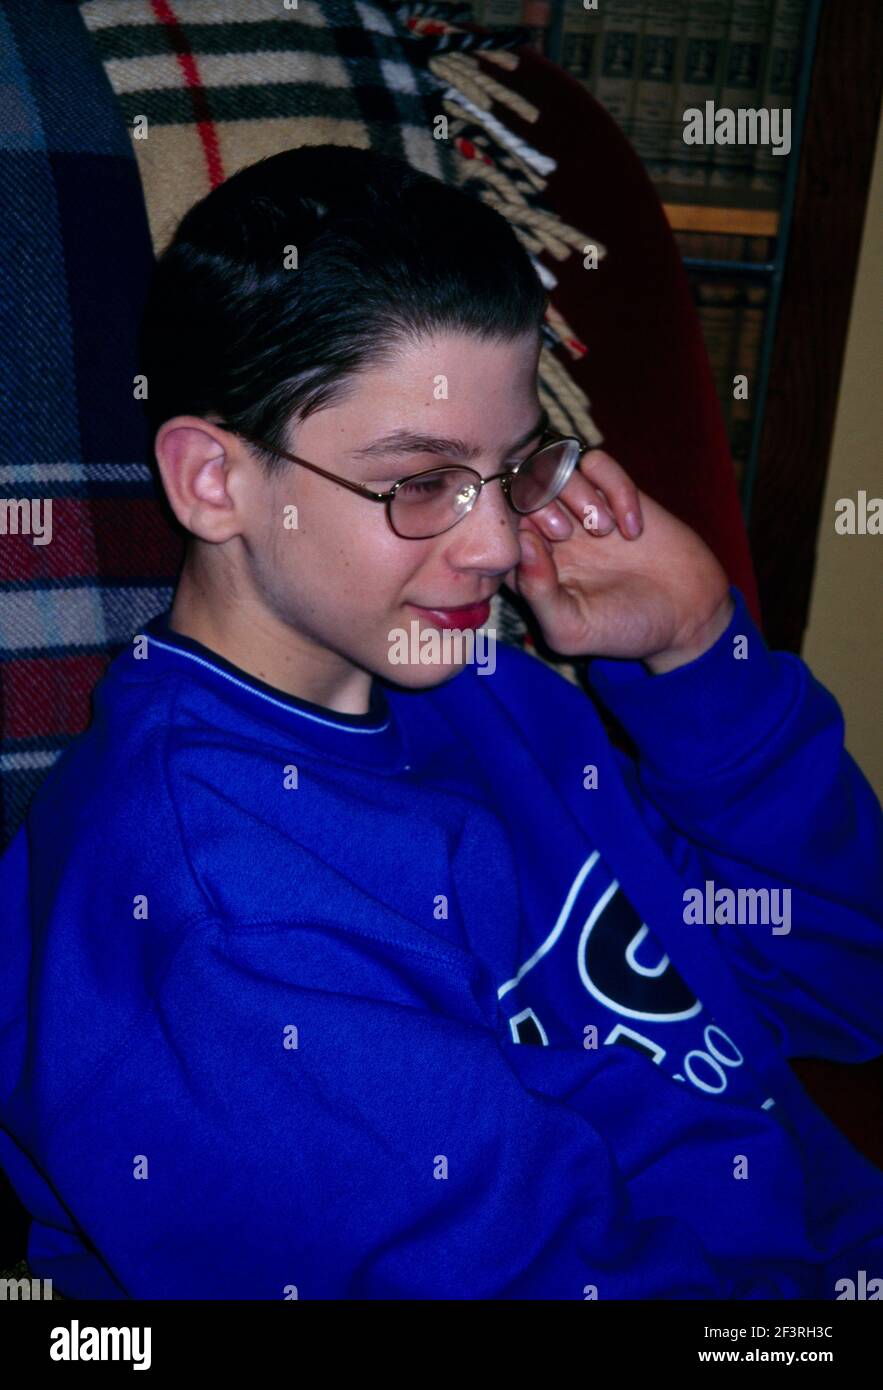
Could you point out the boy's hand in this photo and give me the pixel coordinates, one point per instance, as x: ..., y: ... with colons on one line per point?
x: 662, y: 597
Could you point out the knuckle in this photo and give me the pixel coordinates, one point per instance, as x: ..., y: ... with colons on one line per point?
x: 600, y: 456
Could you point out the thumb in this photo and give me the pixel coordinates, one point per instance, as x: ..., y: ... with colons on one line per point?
x: 536, y: 575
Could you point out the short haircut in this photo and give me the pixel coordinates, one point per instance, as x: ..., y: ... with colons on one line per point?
x: 384, y: 254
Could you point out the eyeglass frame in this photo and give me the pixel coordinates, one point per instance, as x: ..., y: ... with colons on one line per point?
x: 363, y: 490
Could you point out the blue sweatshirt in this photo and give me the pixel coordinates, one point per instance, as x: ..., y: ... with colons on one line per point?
x: 444, y: 1000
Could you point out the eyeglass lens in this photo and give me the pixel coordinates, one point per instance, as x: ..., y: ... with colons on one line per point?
x: 433, y: 502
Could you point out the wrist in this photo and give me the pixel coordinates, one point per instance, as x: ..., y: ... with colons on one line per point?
x: 712, y: 712
x: 699, y: 641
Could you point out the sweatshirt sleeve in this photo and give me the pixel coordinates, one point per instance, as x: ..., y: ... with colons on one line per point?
x: 745, y: 781
x: 331, y: 1138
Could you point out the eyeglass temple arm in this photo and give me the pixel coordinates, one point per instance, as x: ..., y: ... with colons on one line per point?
x: 314, y: 468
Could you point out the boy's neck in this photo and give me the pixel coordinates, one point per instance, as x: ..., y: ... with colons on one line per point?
x: 254, y: 639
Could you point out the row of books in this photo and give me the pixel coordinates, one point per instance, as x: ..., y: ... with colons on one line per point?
x: 732, y: 316
x: 649, y: 61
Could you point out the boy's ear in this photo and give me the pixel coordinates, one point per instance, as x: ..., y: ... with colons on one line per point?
x: 196, y: 462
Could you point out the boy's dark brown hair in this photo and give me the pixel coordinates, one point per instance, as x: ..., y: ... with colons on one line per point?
x: 384, y: 253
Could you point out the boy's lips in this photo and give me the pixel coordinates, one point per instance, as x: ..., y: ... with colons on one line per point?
x: 467, y: 615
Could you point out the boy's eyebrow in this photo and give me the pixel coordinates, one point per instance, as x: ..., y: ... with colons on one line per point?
x: 406, y: 441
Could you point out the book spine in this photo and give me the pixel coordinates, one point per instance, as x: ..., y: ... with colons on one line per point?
x: 536, y: 15
x: 581, y: 43
x: 747, y: 358
x: 689, y: 244
x: 655, y: 90
x: 733, y: 165
x: 698, y: 78
x: 615, y: 86
x: 778, y: 93
x: 769, y: 7
x: 734, y: 332
x: 498, y: 14
x: 716, y: 304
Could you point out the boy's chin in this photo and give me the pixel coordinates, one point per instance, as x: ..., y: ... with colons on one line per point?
x: 419, y: 677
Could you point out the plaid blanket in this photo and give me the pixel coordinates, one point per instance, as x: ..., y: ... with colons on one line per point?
x: 72, y: 438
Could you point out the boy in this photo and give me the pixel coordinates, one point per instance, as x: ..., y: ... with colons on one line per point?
x: 333, y: 976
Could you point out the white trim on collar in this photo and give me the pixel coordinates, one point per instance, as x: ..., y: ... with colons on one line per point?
x: 253, y: 690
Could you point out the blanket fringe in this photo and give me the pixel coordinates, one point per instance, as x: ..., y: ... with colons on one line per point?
x: 510, y: 175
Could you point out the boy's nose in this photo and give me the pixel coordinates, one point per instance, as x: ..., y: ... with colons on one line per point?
x: 487, y: 537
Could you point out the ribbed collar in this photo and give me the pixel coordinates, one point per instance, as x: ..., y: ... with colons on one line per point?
x: 369, y: 740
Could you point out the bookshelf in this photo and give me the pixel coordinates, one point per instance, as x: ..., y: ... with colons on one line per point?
x: 730, y: 208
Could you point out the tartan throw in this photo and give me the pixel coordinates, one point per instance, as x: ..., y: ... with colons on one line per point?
x: 222, y: 83
x: 75, y: 256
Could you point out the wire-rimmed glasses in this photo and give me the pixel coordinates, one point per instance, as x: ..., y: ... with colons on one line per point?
x: 429, y: 503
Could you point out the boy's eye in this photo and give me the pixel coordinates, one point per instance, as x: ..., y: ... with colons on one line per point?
x: 430, y: 486
x: 384, y: 484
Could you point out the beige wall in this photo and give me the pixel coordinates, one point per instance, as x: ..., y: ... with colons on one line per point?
x: 844, y: 640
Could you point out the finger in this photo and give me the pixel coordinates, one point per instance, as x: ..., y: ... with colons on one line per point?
x: 597, y: 514
x: 617, y: 487
x: 536, y: 573
x: 588, y: 505
x: 553, y: 521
